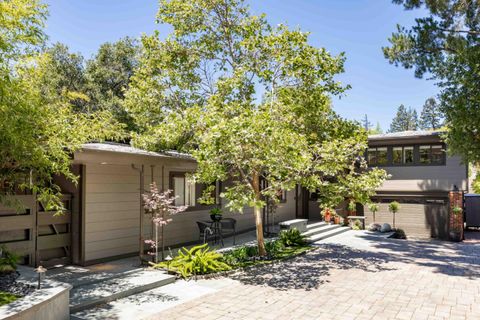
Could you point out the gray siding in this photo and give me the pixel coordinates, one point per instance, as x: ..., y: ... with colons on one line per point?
x: 112, y: 206
x: 427, y: 178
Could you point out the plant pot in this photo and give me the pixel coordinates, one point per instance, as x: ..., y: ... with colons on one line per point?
x: 216, y: 217
x: 327, y: 217
x: 352, y: 213
x: 336, y: 220
x: 455, y: 236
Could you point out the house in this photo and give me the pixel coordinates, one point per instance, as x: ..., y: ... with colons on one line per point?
x: 423, y: 174
x: 103, y: 221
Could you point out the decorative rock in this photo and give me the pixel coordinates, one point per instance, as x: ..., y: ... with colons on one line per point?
x: 385, y: 228
x: 374, y: 227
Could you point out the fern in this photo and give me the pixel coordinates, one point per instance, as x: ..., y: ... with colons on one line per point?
x: 292, y: 237
x: 8, y: 260
x: 195, y: 261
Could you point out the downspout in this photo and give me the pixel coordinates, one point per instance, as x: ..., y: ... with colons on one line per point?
x: 152, y: 180
x: 140, y: 238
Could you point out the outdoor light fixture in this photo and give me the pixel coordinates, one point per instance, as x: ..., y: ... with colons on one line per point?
x: 40, y: 271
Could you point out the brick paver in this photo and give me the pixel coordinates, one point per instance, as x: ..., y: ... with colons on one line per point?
x: 360, y: 277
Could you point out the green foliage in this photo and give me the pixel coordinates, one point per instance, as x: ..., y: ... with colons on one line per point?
x: 195, y: 261
x: 394, y: 206
x: 476, y: 183
x: 444, y: 44
x: 456, y: 210
x: 431, y: 117
x: 6, y: 298
x: 404, y: 120
x: 357, y: 225
x: 216, y: 210
x: 8, y: 260
x: 292, y: 237
x: 373, y: 207
x: 39, y: 128
x: 197, y: 91
x: 352, y: 206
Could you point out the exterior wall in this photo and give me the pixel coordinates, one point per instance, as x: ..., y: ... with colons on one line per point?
x: 112, y: 204
x: 427, y: 178
x: 417, y: 219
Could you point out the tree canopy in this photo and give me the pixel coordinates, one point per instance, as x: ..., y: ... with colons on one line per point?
x: 445, y: 45
x: 404, y: 120
x: 38, y: 126
x: 431, y: 117
x: 250, y: 102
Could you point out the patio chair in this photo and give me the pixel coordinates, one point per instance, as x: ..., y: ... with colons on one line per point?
x: 229, y: 225
x: 206, y: 232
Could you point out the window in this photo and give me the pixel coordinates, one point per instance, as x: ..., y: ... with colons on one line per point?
x: 397, y: 155
x: 438, y: 155
x: 282, y: 196
x: 378, y: 156
x: 432, y: 154
x: 408, y: 155
x: 183, y: 190
x: 425, y: 154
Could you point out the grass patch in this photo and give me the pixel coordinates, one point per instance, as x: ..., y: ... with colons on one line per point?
x: 6, y: 298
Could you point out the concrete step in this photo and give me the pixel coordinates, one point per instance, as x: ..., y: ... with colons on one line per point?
x: 316, y: 225
x: 331, y: 232
x: 90, y: 294
x: 320, y: 229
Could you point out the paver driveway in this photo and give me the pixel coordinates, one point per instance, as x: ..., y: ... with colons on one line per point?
x: 357, y: 276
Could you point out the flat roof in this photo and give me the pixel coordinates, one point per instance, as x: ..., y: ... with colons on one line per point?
x: 405, y: 135
x: 128, y: 149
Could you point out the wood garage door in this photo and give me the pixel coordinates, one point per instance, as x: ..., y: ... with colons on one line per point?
x: 418, y: 216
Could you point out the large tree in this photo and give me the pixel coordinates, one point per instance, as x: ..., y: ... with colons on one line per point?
x: 38, y: 126
x: 404, y: 120
x: 249, y: 101
x: 431, y: 117
x: 445, y: 44
x: 108, y: 75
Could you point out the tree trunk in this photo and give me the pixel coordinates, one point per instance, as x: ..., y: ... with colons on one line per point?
x: 258, y: 217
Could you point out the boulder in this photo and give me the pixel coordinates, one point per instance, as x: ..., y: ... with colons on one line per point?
x: 385, y: 228
x: 374, y: 227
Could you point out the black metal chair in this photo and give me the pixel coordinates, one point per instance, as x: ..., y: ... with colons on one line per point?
x: 206, y: 232
x: 229, y: 225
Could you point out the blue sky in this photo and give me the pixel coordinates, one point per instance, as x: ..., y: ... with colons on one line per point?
x: 357, y: 27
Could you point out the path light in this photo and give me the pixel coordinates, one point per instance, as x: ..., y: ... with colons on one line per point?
x: 41, y: 271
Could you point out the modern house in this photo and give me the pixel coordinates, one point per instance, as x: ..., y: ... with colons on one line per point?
x: 423, y: 174
x: 104, y: 214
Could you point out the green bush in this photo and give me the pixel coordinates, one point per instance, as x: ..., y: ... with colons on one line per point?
x: 357, y: 225
x: 292, y: 237
x: 6, y: 298
x: 8, y: 260
x: 195, y: 261
x: 274, y: 247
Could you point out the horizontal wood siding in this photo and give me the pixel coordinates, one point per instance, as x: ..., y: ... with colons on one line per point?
x: 417, y: 220
x: 112, y: 204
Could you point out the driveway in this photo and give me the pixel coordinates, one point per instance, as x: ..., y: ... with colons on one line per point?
x: 353, y: 276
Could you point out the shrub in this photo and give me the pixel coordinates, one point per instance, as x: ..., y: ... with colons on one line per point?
x: 399, y: 234
x: 195, y: 261
x: 274, y: 247
x: 357, y: 225
x: 374, y: 227
x: 8, y: 260
x: 292, y: 237
x: 6, y: 298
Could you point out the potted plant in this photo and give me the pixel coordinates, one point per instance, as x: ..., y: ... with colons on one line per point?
x: 456, y: 229
x: 336, y: 217
x: 216, y: 214
x: 327, y: 214
x: 373, y: 207
x: 352, y: 208
x: 393, y: 207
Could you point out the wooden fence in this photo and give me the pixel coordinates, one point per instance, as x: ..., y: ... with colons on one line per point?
x: 40, y: 237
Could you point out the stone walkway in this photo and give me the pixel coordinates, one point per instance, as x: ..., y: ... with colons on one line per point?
x: 357, y: 276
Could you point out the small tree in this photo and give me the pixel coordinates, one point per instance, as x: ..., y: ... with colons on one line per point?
x: 161, y: 206
x: 393, y: 207
x: 374, y: 208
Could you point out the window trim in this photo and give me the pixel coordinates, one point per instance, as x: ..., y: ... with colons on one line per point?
x: 416, y: 155
x: 198, y: 206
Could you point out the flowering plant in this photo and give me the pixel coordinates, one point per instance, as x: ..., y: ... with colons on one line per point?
x: 161, y: 205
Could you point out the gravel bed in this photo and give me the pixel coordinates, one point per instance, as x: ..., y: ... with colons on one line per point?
x: 9, y: 283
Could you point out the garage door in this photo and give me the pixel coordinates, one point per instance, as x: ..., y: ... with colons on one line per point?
x: 419, y: 217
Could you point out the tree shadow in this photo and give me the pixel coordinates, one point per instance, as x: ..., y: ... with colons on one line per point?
x: 449, y: 258
x: 311, y: 270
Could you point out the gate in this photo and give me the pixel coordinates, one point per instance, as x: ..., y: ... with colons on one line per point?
x: 39, y: 236
x: 472, y: 210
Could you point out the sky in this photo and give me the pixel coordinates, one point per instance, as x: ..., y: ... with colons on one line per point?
x: 357, y: 27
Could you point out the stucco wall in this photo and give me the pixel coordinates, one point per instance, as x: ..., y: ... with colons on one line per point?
x: 427, y: 178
